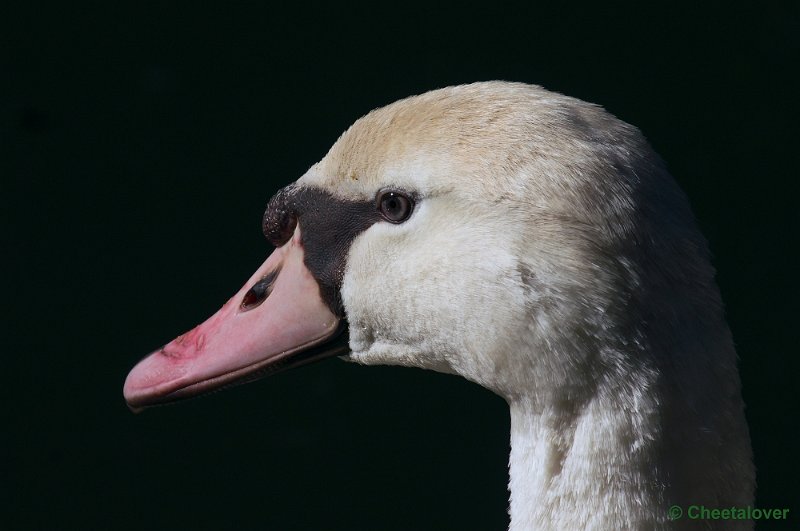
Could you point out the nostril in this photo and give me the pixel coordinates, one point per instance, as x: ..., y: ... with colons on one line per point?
x: 259, y: 292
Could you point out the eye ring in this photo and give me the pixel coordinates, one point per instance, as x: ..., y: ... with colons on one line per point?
x: 394, y: 206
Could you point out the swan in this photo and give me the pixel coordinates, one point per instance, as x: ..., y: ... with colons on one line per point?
x: 531, y: 243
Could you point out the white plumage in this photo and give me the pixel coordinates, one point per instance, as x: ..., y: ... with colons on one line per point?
x: 549, y: 257
x: 553, y: 260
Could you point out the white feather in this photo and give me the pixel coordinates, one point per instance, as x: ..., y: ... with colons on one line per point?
x: 553, y: 260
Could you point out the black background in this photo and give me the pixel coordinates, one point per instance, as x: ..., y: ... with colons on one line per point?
x: 139, y: 148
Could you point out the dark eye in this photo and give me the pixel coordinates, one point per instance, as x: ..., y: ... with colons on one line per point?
x: 395, y: 207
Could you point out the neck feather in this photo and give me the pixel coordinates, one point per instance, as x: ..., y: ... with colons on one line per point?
x: 622, y: 457
x: 594, y: 467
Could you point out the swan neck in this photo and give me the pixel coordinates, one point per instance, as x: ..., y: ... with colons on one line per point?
x: 585, y: 468
x: 620, y: 458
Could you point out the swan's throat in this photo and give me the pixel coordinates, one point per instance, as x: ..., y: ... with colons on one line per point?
x: 594, y: 467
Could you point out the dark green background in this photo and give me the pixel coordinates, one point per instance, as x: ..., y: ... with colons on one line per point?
x: 139, y: 148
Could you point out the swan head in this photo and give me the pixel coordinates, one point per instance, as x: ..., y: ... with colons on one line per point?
x: 526, y: 241
x: 497, y: 231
